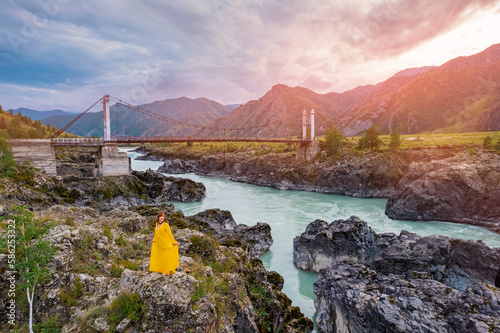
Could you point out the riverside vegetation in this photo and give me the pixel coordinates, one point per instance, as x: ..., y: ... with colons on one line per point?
x: 96, y: 276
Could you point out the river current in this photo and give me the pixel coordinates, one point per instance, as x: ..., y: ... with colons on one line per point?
x: 289, y: 212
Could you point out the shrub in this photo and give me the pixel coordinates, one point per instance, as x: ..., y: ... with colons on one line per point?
x: 487, y: 142
x: 125, y: 306
x: 70, y: 221
x: 121, y: 241
x: 51, y: 325
x: 116, y: 271
x: 205, y: 247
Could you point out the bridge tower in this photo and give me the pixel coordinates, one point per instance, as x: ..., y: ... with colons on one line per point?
x: 107, y: 123
x: 309, y: 149
x: 308, y: 119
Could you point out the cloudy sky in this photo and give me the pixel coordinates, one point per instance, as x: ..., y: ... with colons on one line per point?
x: 67, y: 54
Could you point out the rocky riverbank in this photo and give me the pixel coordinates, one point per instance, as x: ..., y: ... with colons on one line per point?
x: 101, y: 230
x: 103, y: 257
x: 372, y: 175
x: 464, y: 189
x: 102, y: 193
x: 443, y: 184
x: 372, y: 282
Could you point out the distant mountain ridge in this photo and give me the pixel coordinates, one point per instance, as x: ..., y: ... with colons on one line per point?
x: 38, y: 115
x: 127, y: 122
x: 461, y: 95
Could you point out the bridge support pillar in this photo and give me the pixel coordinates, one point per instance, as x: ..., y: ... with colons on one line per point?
x: 307, y: 150
x: 107, y: 120
x: 39, y: 152
x: 113, y: 162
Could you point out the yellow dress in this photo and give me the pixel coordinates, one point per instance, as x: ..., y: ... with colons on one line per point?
x: 164, y: 254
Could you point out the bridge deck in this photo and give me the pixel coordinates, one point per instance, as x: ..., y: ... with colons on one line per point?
x: 179, y: 140
x: 59, y: 142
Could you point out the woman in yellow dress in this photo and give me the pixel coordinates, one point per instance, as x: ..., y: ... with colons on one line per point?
x: 164, y: 250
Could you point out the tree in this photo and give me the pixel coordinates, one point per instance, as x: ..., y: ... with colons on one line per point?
x: 33, y: 254
x: 3, y: 123
x: 371, y: 140
x: 15, y: 123
x: 334, y: 139
x: 7, y: 163
x: 395, y: 141
x: 487, y: 142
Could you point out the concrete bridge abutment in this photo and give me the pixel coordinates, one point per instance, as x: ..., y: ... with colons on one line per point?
x: 307, y: 150
x: 113, y: 162
x: 41, y: 154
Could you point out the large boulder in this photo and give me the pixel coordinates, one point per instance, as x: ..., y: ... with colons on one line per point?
x: 163, y: 188
x: 256, y: 240
x: 455, y: 190
x: 178, y: 166
x: 372, y: 282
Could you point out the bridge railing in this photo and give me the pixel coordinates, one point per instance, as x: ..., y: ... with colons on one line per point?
x: 173, y: 139
x: 77, y: 142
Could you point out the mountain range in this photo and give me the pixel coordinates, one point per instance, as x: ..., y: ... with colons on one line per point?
x: 128, y: 122
x: 462, y: 95
x: 38, y: 115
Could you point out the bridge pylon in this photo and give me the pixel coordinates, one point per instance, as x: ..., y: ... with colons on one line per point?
x: 107, y: 121
x: 308, y: 149
x: 308, y: 119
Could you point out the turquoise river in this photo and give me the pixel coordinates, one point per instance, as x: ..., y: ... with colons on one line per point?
x: 289, y: 212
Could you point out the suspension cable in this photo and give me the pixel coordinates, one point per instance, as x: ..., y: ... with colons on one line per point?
x: 74, y: 120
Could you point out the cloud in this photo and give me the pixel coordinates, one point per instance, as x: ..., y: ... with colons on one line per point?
x: 227, y: 50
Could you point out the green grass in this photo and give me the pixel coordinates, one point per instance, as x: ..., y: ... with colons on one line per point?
x: 226, y: 147
x: 444, y: 139
x: 408, y: 141
x: 433, y: 140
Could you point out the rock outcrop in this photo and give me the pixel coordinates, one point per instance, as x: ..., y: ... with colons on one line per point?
x: 399, y: 283
x: 372, y: 175
x: 103, y: 193
x: 178, y: 166
x: 164, y: 188
x: 256, y: 240
x: 100, y: 273
x: 462, y: 189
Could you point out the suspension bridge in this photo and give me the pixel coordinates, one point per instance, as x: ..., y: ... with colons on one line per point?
x: 131, y: 117
x: 112, y: 162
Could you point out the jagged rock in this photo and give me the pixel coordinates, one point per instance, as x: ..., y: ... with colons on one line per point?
x: 101, y: 325
x: 171, y: 291
x: 102, y: 193
x: 453, y: 190
x: 178, y: 166
x: 354, y: 298
x: 406, y: 283
x: 255, y: 239
x: 163, y: 188
x: 322, y: 245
